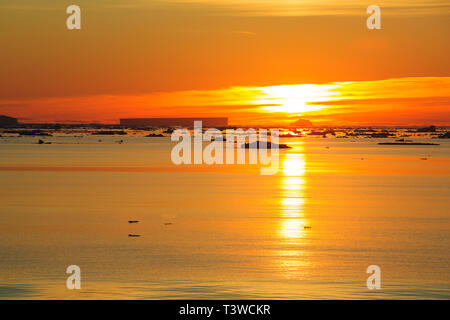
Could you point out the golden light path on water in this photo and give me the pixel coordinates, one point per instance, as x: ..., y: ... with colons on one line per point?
x: 292, y: 222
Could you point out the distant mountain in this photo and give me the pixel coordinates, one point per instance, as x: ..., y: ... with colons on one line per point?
x: 302, y: 123
x: 7, y: 121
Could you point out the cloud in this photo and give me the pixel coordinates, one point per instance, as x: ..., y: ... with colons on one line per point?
x: 247, y: 7
x: 12, y: 105
x: 316, y: 7
x: 400, y: 101
x: 428, y: 101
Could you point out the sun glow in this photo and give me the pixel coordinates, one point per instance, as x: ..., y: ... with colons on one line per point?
x: 295, y: 98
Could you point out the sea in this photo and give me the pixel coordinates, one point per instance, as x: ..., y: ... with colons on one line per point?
x: 313, y: 230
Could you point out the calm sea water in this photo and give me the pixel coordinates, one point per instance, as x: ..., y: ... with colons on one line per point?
x: 223, y: 232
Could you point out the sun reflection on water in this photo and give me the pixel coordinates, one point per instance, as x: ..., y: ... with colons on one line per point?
x: 292, y: 222
x: 292, y: 193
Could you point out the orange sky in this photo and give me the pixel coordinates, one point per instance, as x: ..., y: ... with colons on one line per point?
x: 255, y: 61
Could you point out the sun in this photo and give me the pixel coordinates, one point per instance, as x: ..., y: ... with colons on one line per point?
x: 294, y: 98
